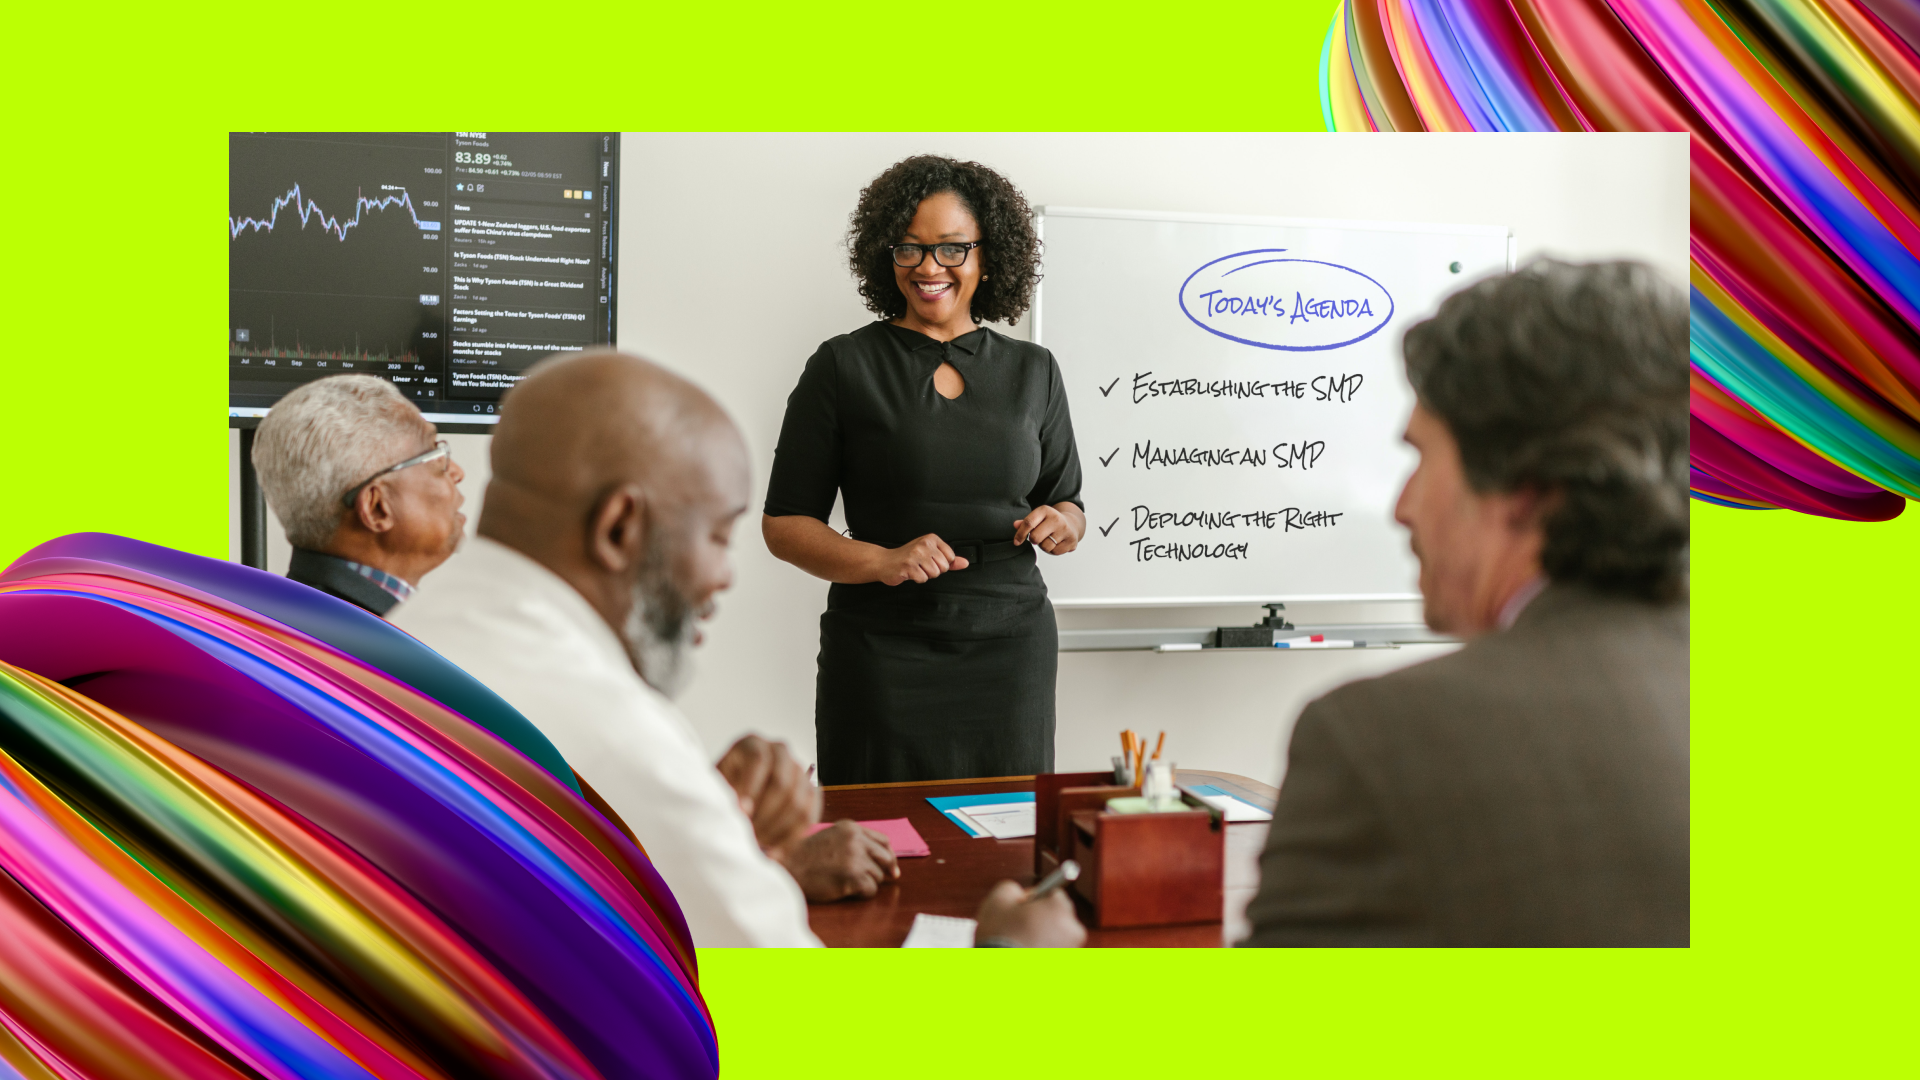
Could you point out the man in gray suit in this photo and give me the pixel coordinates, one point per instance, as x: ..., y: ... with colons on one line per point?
x: 1531, y: 788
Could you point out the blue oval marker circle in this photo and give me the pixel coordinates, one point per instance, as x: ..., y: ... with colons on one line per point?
x: 1292, y: 305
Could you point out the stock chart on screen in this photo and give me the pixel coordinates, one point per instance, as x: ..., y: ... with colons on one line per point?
x: 447, y: 262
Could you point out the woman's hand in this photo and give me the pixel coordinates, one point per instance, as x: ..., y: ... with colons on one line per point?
x: 918, y: 561
x: 811, y: 545
x: 1055, y: 530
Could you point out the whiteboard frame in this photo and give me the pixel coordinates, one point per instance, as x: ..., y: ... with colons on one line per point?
x: 1039, y: 310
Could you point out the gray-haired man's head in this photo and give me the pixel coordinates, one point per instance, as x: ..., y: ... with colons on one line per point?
x: 341, y: 437
x: 1556, y: 396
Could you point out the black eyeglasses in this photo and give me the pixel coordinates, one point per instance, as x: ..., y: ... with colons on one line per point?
x: 944, y: 254
x: 439, y: 451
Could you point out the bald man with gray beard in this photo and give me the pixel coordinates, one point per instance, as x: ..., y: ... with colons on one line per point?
x: 603, y: 540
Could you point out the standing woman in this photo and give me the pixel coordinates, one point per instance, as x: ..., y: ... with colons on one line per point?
x: 952, y: 450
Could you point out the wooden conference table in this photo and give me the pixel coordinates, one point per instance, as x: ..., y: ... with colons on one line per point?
x: 953, y: 879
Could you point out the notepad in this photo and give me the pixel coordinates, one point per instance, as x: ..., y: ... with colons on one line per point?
x: 1232, y: 807
x: 906, y: 840
x: 939, y: 932
x: 1000, y: 806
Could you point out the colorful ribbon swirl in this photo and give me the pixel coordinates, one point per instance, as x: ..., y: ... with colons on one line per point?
x: 1805, y: 138
x: 248, y: 830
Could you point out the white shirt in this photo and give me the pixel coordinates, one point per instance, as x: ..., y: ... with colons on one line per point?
x: 524, y: 632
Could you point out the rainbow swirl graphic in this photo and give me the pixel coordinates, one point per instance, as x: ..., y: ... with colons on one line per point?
x: 1805, y: 139
x: 248, y: 830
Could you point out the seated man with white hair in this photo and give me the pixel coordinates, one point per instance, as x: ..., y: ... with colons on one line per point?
x: 367, y: 493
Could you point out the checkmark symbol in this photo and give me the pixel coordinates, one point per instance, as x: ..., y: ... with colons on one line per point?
x: 1109, y: 457
x: 1108, y: 389
x: 1108, y: 527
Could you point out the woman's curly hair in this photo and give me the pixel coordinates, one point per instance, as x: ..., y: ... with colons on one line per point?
x: 1009, y: 254
x: 1572, y: 380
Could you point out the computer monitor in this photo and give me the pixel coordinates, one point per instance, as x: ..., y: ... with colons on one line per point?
x: 446, y: 262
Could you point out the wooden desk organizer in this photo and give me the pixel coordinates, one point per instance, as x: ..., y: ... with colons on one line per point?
x: 1053, y: 795
x: 1135, y: 869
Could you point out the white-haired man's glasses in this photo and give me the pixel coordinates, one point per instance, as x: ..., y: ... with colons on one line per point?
x: 439, y: 451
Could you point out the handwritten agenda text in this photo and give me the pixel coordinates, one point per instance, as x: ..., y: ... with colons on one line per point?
x: 1300, y: 455
x: 1273, y: 299
x: 1220, y: 302
x: 1145, y: 550
x: 1287, y: 519
x: 1341, y: 388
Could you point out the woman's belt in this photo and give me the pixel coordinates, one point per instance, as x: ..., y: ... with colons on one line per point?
x: 987, y: 551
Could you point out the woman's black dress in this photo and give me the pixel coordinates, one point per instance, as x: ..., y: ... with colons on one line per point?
x: 954, y: 677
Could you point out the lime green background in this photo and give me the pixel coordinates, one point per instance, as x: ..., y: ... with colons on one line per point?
x: 114, y: 261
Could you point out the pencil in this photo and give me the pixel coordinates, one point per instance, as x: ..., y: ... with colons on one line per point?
x: 1159, y: 746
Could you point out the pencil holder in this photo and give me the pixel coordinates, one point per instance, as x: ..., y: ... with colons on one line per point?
x: 1055, y: 795
x: 1152, y: 869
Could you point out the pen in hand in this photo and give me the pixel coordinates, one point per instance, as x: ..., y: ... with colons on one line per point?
x: 1065, y: 872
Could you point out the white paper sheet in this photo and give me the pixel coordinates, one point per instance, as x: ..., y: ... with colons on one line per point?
x: 939, y: 932
x: 1005, y: 821
x: 961, y: 819
x: 1235, y: 809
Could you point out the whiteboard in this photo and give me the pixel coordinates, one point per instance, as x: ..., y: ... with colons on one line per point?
x: 1238, y: 398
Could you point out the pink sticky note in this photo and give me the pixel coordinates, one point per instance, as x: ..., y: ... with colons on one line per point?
x: 906, y: 839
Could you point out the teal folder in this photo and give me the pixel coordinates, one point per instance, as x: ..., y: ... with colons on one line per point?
x: 950, y: 803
